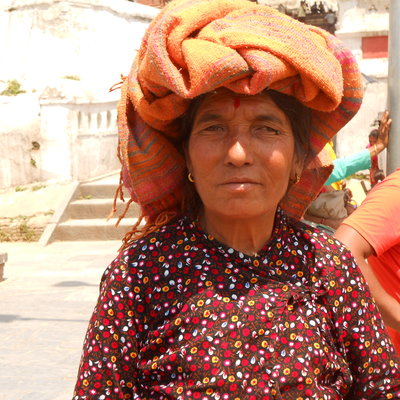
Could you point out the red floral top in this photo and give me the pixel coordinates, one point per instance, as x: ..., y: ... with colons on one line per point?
x: 182, y: 316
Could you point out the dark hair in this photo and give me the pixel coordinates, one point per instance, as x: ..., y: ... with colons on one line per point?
x: 299, y: 117
x: 374, y: 133
x: 379, y: 175
x: 300, y: 120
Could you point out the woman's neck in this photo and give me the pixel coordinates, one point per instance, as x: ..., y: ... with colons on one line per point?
x: 247, y: 235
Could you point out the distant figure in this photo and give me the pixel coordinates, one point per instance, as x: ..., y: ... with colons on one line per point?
x: 302, y: 11
x: 330, y: 20
x: 372, y: 138
x: 314, y: 8
x: 306, y: 7
x: 321, y: 8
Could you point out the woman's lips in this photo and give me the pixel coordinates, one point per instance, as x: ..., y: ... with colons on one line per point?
x: 242, y: 184
x: 239, y: 180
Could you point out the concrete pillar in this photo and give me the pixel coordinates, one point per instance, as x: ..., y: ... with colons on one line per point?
x: 393, y: 152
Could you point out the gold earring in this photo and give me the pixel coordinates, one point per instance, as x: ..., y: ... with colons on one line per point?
x: 190, y: 177
x: 296, y: 179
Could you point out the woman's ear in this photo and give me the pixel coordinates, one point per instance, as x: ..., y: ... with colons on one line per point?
x: 297, y: 165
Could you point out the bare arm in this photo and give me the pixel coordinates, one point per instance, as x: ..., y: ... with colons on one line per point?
x: 383, y: 136
x: 361, y: 249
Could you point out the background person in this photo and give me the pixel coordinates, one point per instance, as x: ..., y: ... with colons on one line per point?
x: 223, y: 293
x: 349, y: 165
x: 372, y: 144
x: 343, y: 168
x: 372, y: 139
x: 372, y: 233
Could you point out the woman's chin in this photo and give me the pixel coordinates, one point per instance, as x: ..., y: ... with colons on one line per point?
x: 241, y: 211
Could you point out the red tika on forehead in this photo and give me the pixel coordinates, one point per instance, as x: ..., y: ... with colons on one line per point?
x: 236, y: 102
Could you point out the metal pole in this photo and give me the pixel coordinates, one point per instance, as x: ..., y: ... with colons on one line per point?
x: 393, y: 152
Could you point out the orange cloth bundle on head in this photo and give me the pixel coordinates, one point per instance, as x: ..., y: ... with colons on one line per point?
x: 196, y: 46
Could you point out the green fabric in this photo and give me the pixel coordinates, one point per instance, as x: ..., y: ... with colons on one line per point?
x: 346, y: 166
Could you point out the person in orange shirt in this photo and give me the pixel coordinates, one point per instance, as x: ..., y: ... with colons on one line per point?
x: 372, y: 233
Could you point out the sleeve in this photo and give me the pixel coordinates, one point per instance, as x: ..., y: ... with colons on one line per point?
x: 346, y: 166
x: 377, y: 219
x: 107, y: 369
x: 361, y: 335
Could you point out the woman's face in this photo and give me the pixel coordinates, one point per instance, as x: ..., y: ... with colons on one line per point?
x: 241, y: 154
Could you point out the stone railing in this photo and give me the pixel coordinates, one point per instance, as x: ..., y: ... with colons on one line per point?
x: 72, y: 137
x: 79, y: 136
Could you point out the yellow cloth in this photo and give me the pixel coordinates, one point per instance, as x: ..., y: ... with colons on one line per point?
x: 331, y: 153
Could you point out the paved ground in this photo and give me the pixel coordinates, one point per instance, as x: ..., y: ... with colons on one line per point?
x: 45, y: 304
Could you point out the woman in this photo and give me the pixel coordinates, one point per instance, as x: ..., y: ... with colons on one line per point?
x: 221, y: 294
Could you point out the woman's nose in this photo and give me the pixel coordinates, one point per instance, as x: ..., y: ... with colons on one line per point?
x: 239, y: 151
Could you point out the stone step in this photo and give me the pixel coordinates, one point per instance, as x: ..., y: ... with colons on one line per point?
x: 92, y: 229
x: 84, y: 211
x: 102, y: 190
x: 99, y: 208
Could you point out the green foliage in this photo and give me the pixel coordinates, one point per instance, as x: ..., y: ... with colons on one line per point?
x: 13, y: 89
x: 22, y: 228
x: 27, y: 233
x: 4, y: 236
x: 20, y: 188
x: 37, y: 187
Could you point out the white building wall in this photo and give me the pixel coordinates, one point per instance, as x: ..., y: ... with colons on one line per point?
x: 42, y: 42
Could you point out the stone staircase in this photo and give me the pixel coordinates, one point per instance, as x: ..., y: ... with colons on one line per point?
x: 83, y: 214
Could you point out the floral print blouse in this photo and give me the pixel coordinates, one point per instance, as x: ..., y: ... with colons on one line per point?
x: 182, y: 316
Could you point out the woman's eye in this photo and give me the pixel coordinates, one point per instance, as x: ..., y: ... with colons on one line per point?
x: 214, y: 128
x: 268, y: 129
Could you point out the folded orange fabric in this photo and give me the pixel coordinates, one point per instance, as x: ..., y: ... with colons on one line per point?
x: 195, y: 46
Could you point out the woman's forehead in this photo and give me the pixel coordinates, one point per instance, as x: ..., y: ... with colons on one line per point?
x: 225, y: 102
x: 227, y: 98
